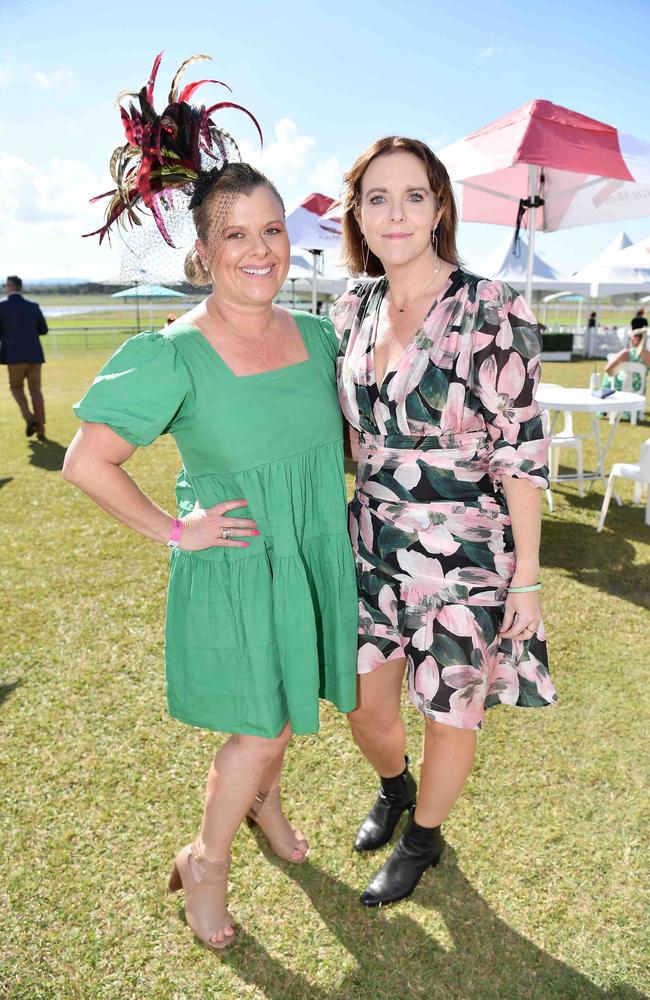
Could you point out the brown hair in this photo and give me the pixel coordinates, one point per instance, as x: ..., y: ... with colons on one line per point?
x: 15, y: 282
x: 211, y: 214
x: 353, y: 253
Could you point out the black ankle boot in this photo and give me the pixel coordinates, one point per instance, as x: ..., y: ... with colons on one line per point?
x: 395, y: 796
x: 418, y: 848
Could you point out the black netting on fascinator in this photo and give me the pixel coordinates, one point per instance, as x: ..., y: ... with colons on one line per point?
x: 203, y: 184
x: 166, y: 167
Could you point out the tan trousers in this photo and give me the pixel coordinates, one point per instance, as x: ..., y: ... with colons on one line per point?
x: 17, y: 375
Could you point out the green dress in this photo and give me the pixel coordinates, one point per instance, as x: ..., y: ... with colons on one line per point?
x: 254, y: 636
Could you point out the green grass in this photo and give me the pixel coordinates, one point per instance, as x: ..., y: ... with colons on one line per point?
x: 540, y: 894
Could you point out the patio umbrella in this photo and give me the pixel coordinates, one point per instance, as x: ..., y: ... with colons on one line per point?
x: 309, y: 231
x: 547, y: 167
x: 148, y: 292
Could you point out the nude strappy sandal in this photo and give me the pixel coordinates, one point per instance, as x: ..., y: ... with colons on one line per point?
x: 204, y: 884
x: 270, y: 803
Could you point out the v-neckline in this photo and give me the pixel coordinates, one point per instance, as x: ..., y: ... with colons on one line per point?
x: 381, y: 292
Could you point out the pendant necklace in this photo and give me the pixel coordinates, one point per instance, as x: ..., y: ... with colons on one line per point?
x: 418, y: 296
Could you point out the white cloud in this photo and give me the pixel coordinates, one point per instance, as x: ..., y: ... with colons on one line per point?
x: 491, y: 50
x: 43, y: 214
x: 286, y: 154
x: 58, y: 76
x: 327, y: 177
x: 58, y: 193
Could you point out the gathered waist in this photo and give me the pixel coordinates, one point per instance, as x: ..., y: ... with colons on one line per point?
x: 423, y: 442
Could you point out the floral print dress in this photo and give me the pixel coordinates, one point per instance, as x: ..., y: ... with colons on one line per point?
x: 429, y: 522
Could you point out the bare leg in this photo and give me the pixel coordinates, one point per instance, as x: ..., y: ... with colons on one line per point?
x: 233, y: 782
x: 284, y: 839
x: 377, y: 725
x: 448, y: 758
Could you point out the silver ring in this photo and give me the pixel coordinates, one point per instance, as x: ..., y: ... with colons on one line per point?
x: 226, y: 532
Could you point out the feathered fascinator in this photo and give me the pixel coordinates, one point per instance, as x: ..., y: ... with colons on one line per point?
x: 165, y: 154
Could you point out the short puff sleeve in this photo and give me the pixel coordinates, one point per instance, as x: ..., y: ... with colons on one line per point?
x: 143, y: 390
x: 506, y: 352
x: 330, y: 338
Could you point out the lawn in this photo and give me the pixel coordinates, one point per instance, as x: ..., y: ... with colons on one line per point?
x: 540, y: 894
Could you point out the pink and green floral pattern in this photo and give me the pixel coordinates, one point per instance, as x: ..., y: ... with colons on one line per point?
x: 429, y: 521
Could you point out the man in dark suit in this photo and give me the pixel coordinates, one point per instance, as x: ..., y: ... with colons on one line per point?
x: 21, y: 324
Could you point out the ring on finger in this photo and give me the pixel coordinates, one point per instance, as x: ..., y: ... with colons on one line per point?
x: 226, y: 532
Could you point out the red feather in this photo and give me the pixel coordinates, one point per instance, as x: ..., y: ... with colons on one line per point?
x: 152, y: 77
x: 191, y: 88
x: 238, y: 107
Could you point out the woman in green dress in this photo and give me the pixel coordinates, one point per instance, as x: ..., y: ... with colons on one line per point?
x: 262, y: 606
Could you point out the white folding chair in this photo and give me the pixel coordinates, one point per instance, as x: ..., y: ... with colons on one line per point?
x: 567, y: 438
x: 639, y: 474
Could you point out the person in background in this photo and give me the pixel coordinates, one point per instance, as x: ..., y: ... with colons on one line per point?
x: 593, y: 321
x: 637, y: 352
x: 171, y: 318
x: 639, y: 322
x: 21, y: 325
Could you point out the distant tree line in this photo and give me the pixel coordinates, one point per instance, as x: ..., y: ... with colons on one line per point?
x: 90, y: 288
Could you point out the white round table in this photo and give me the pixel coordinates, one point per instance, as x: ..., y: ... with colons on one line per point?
x: 559, y: 398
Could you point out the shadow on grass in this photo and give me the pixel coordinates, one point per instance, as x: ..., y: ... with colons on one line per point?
x: 47, y: 455
x: 396, y: 958
x: 605, y: 561
x: 8, y: 689
x: 4, y: 482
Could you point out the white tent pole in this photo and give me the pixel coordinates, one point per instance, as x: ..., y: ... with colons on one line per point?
x: 532, y: 213
x: 314, y: 278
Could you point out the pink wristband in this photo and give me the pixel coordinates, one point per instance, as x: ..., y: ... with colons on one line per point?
x: 177, y: 531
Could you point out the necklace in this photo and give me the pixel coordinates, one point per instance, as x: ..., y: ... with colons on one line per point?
x: 418, y: 296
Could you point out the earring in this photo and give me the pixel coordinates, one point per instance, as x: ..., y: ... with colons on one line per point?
x: 365, y: 252
x: 434, y: 252
x: 202, y: 266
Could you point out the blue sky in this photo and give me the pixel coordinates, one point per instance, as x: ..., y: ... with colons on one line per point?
x: 324, y: 79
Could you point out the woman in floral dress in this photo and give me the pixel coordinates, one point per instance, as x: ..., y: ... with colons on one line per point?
x: 437, y: 372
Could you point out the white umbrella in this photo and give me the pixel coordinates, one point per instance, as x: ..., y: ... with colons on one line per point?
x: 148, y: 292
x: 549, y: 168
x: 307, y: 229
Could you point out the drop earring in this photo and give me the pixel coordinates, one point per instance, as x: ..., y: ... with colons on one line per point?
x: 434, y: 252
x: 365, y: 253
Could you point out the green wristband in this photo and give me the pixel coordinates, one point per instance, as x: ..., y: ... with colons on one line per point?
x: 524, y: 590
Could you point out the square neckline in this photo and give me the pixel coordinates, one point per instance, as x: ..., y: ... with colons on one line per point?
x: 268, y: 371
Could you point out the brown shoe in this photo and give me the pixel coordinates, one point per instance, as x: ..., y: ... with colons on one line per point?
x: 285, y: 841
x: 30, y: 427
x: 205, y: 884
